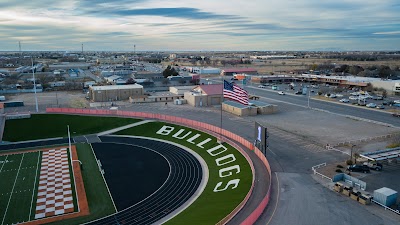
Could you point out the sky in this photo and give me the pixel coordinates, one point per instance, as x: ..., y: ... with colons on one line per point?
x: 206, y: 25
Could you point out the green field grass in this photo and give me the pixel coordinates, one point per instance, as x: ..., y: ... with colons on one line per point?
x: 52, y: 125
x: 100, y: 203
x: 18, y: 187
x: 211, y: 206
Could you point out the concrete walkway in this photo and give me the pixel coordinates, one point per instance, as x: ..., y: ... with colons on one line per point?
x: 107, y: 132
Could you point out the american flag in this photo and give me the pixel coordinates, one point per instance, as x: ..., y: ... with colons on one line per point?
x: 236, y: 93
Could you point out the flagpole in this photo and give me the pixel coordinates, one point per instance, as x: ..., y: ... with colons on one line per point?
x: 220, y: 131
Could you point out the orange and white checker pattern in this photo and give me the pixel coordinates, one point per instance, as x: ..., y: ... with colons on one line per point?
x: 55, y: 191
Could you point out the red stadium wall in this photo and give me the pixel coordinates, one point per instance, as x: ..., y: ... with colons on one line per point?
x: 226, y: 136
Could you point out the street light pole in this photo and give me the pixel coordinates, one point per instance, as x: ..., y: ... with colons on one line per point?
x: 308, y: 100
x: 34, y: 86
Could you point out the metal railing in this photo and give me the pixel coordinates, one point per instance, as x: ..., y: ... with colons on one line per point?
x: 314, y: 168
x: 386, y: 208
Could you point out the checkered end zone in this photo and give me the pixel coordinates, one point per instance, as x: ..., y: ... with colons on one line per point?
x: 55, y: 192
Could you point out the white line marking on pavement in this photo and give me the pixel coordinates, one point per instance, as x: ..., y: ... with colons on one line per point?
x: 277, y: 200
x: 95, y: 157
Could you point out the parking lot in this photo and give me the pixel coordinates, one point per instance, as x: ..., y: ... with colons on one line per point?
x: 335, y: 94
x: 294, y: 124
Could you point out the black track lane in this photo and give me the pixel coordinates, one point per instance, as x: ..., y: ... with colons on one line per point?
x: 10, y: 146
x: 133, y: 170
x: 184, y: 179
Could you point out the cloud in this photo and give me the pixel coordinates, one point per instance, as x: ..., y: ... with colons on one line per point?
x: 186, y: 13
x: 208, y: 24
x: 388, y: 32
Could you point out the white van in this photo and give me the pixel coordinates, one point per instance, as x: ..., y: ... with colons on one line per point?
x: 2, y: 98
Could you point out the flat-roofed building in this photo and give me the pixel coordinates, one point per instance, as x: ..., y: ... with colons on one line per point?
x: 239, y: 109
x: 115, y: 92
x: 233, y: 71
x: 204, y: 95
x: 180, y: 90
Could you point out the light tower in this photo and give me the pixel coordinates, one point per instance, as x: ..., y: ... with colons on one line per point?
x: 19, y: 44
x: 82, y: 48
x: 134, y: 49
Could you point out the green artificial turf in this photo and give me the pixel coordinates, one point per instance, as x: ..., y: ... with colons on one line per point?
x: 210, y: 207
x: 18, y: 185
x: 42, y: 126
x: 100, y: 203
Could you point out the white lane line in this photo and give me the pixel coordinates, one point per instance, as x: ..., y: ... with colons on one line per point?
x: 34, y: 185
x: 12, y: 191
x: 4, y: 163
x: 277, y: 200
x: 271, y: 150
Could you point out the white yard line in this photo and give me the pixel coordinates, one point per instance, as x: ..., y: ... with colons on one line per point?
x: 73, y: 177
x: 115, y: 207
x: 4, y: 163
x: 34, y: 185
x: 15, y: 181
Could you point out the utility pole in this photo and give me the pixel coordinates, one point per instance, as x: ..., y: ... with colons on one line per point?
x: 82, y: 48
x: 351, y: 153
x: 19, y: 44
x: 34, y: 85
x: 308, y: 100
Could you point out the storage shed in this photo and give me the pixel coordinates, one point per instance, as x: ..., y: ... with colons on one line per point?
x: 385, y: 196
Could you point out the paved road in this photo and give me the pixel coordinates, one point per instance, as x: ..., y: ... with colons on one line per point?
x: 344, y: 109
x: 302, y: 101
x: 91, y: 75
x: 291, y: 159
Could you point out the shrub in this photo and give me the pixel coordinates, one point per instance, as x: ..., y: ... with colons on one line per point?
x: 393, y: 145
x: 339, y: 166
x: 339, y: 171
x: 349, y: 162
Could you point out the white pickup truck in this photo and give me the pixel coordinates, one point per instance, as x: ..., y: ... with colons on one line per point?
x: 374, y: 165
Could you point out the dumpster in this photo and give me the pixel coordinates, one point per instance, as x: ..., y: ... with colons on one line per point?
x: 385, y: 196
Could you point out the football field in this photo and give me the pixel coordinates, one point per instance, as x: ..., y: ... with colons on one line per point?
x: 18, y: 186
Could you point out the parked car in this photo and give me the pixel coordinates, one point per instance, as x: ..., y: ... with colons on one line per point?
x: 298, y: 93
x: 379, y: 97
x: 371, y: 105
x: 281, y: 92
x: 361, y: 103
x: 359, y: 168
x: 387, y: 103
x: 339, y: 95
x: 262, y: 86
x: 380, y: 107
x: 344, y: 100
x: 396, y: 114
x: 374, y: 165
x: 353, y: 98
